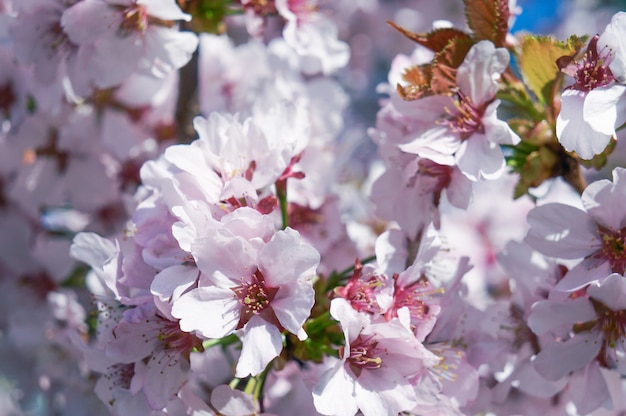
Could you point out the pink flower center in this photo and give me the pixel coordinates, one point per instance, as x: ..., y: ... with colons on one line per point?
x: 303, y: 218
x: 361, y: 290
x: 414, y: 297
x: 364, y: 354
x: 442, y: 175
x: 120, y: 375
x: 135, y: 19
x: 592, y: 70
x: 254, y: 297
x: 56, y: 39
x: 173, y: 338
x: 612, y: 325
x: 613, y: 249
x: 466, y: 119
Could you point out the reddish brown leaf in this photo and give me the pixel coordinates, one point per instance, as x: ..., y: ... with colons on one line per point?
x: 413, y: 92
x: 488, y: 19
x: 502, y: 28
x: 435, y: 40
x: 445, y: 65
x: 419, y: 75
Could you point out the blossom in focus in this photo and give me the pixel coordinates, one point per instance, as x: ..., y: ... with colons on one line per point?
x: 470, y: 135
x: 377, y: 366
x: 253, y: 281
x: 595, y: 104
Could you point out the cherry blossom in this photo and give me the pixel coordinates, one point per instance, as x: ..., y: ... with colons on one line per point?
x: 258, y: 283
x: 313, y: 36
x: 470, y: 135
x: 591, y: 108
x: 376, y: 364
x: 138, y: 32
x: 596, y: 235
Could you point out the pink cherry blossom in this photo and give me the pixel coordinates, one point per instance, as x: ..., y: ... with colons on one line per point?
x: 375, y: 369
x: 595, y: 236
x: 587, y: 328
x: 592, y: 107
x: 470, y: 135
x: 138, y: 32
x: 258, y: 284
x: 313, y: 36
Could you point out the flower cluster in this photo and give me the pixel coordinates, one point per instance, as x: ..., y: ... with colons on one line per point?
x: 204, y: 210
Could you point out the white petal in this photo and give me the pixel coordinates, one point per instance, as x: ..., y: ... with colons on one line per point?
x: 600, y: 108
x: 437, y: 144
x: 292, y: 306
x: 479, y: 158
x: 334, y: 394
x: 574, y: 132
x: 550, y: 315
x: 478, y: 74
x: 286, y: 258
x: 262, y: 342
x: 613, y: 38
x: 612, y: 292
x: 211, y: 311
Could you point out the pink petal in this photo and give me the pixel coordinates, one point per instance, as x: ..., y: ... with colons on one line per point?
x: 286, y: 258
x: 213, y: 312
x: 605, y: 201
x: 262, y: 342
x: 334, y: 393
x: 560, y: 230
x: 558, y: 359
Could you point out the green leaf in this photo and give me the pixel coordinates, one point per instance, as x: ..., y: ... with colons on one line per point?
x: 537, y: 62
x: 488, y: 19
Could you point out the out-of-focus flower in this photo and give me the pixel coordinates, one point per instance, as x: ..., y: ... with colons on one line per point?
x: 598, y: 236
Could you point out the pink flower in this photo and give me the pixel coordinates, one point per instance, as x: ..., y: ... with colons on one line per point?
x: 259, y: 284
x: 470, y: 135
x: 376, y: 366
x: 587, y: 328
x: 144, y: 337
x: 594, y: 105
x: 313, y: 36
x: 598, y: 235
x: 119, y: 37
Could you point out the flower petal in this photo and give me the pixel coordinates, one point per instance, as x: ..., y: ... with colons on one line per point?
x: 262, y: 342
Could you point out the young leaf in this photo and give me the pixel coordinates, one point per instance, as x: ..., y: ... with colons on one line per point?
x: 435, y: 40
x: 538, y: 62
x: 488, y: 19
x: 446, y: 63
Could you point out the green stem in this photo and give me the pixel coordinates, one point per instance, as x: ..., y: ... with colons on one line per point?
x: 255, y: 386
x: 234, y: 383
x: 319, y: 323
x: 225, y: 341
x: 281, y: 193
